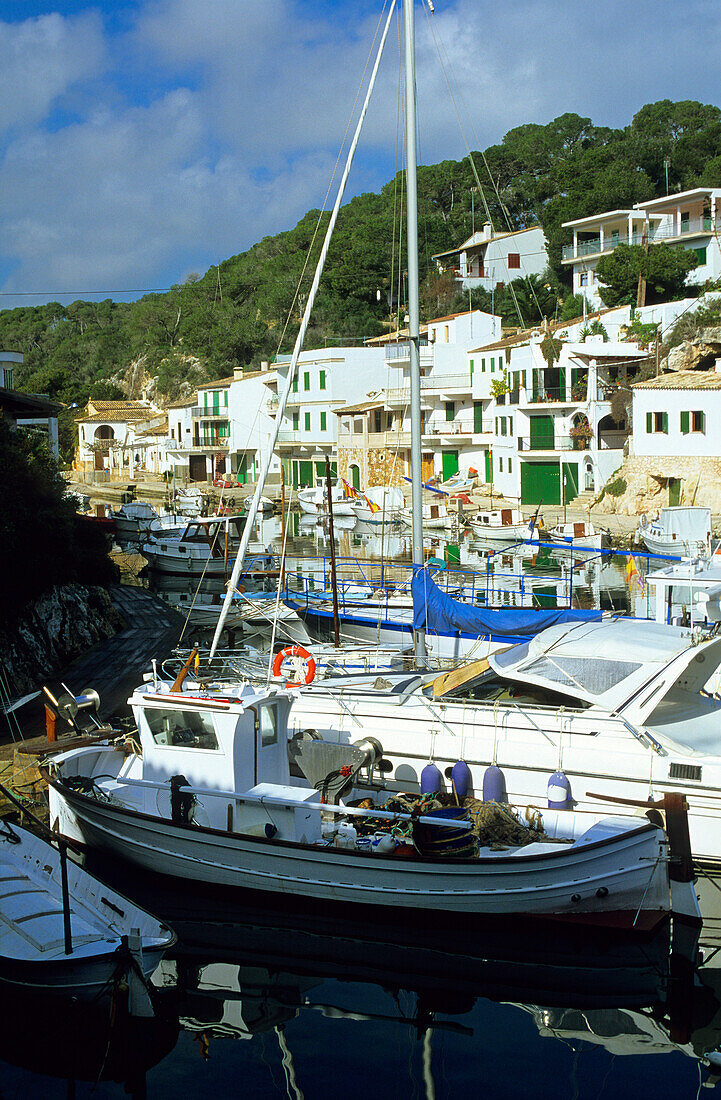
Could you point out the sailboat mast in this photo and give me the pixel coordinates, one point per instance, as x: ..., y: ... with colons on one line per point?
x: 419, y: 637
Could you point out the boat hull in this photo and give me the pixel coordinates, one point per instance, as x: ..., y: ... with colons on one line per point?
x: 621, y: 882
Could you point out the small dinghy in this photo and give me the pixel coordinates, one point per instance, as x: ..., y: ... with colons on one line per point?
x: 64, y: 931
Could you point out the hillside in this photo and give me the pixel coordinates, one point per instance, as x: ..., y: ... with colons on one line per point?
x: 234, y: 315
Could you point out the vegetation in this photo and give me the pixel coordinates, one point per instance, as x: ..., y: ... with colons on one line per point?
x: 249, y: 307
x: 616, y: 488
x: 664, y: 268
x: 42, y: 540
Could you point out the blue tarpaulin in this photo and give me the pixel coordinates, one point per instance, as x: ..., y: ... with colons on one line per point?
x: 440, y: 614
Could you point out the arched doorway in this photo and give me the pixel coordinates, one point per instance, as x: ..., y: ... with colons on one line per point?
x: 101, y: 444
x: 611, y: 434
x: 589, y: 484
x: 354, y: 471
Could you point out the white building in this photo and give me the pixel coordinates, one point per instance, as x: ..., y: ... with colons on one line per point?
x: 110, y: 444
x: 489, y: 259
x: 690, y: 219
x: 252, y: 404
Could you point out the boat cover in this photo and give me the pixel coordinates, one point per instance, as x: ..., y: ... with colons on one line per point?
x: 438, y: 613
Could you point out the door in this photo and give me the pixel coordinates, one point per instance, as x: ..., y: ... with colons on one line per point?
x: 540, y: 483
x: 427, y: 468
x: 305, y: 474
x: 569, y: 481
x: 198, y: 468
x: 450, y: 464
x: 355, y: 476
x: 477, y: 416
x: 489, y: 467
x: 541, y: 433
x: 242, y: 471
x: 674, y: 492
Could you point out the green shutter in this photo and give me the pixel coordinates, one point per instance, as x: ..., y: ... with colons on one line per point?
x: 296, y: 421
x: 483, y: 366
x: 450, y: 410
x: 477, y: 416
x: 306, y: 380
x: 322, y: 421
x: 295, y: 384
x: 703, y: 423
x: 307, y: 422
x: 649, y: 423
x: 321, y: 381
x: 664, y: 423
x: 684, y: 423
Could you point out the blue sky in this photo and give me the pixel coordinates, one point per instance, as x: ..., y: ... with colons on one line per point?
x: 146, y: 139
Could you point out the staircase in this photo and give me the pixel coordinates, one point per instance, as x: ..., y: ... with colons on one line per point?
x: 583, y: 500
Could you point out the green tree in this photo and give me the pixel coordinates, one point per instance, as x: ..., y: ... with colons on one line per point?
x: 663, y: 267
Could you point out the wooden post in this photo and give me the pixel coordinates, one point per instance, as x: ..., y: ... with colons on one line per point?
x: 62, y: 846
x: 334, y: 582
x: 50, y: 720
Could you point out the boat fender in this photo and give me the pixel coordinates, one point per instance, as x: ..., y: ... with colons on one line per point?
x: 295, y: 651
x: 431, y: 779
x: 383, y: 844
x: 559, y: 792
x: 461, y: 779
x: 494, y: 784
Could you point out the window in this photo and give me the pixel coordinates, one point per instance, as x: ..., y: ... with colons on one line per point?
x: 700, y: 254
x: 509, y: 465
x: 268, y: 725
x: 500, y: 465
x: 225, y: 399
x: 483, y: 366
x: 377, y: 421
x: 514, y: 260
x: 306, y: 421
x: 306, y: 380
x: 470, y: 364
x: 295, y: 384
x: 323, y: 421
x: 188, y: 729
x: 698, y: 422
x: 497, y: 432
x: 493, y: 365
x: 685, y: 221
x: 656, y: 422
x: 503, y: 425
x: 510, y: 425
x: 583, y: 279
x: 450, y: 410
x: 447, y: 333
x: 321, y: 380
x: 296, y: 421
x: 358, y: 426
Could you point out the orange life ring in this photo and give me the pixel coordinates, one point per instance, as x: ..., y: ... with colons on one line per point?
x: 295, y: 651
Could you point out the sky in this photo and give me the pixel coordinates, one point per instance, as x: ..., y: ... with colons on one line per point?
x: 144, y: 140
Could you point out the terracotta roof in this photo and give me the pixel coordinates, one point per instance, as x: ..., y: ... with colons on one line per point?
x: 364, y: 406
x: 683, y: 380
x: 218, y: 384
x: 398, y: 336
x: 470, y: 243
x: 157, y: 429
x: 118, y: 410
x: 186, y: 403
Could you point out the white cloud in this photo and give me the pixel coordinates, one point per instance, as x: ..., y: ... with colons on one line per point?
x: 41, y: 60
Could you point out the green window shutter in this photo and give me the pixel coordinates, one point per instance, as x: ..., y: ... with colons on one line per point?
x: 450, y: 410
x: 225, y: 399
x: 509, y: 466
x: 493, y: 365
x: 477, y: 416
x: 306, y: 380
x: 295, y: 384
x: 322, y: 421
x: 307, y: 422
x: 684, y: 423
x: 483, y: 366
x: 510, y: 425
x: 471, y: 368
x: 703, y: 423
x: 321, y: 381
x: 664, y: 428
x: 296, y: 421
x: 649, y: 423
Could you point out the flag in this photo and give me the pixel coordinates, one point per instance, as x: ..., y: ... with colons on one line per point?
x: 348, y: 490
x: 632, y: 573
x: 373, y: 507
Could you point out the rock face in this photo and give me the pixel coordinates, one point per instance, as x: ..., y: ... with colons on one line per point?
x: 647, y: 484
x: 61, y: 625
x: 137, y: 383
x: 697, y: 354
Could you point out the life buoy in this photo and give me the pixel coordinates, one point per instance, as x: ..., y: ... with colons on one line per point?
x: 295, y: 651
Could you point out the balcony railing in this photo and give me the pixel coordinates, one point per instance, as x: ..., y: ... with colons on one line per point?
x: 287, y: 435
x: 398, y: 396
x: 550, y: 443
x: 661, y: 233
x: 553, y: 394
x: 458, y: 427
x: 446, y: 382
x: 201, y: 413
x: 402, y: 350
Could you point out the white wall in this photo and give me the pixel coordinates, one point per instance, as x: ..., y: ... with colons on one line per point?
x: 673, y: 402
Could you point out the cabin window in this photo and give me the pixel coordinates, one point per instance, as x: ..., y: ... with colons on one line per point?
x: 594, y: 676
x: 187, y: 729
x: 268, y: 724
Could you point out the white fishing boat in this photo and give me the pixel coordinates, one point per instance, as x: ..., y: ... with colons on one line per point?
x: 314, y: 502
x: 202, y: 609
x: 133, y: 521
x: 211, y: 797
x: 678, y: 532
x: 580, y: 533
x: 380, y: 505
x: 76, y: 941
x: 504, y: 525
x: 620, y: 708
x: 205, y: 548
x: 265, y: 505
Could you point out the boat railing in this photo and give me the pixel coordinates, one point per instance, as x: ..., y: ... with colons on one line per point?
x: 290, y: 803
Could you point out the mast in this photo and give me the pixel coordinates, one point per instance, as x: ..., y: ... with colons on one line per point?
x: 253, y: 511
x: 419, y: 636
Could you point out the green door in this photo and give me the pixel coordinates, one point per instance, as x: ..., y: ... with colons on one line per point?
x: 450, y: 464
x: 541, y: 433
x: 241, y: 475
x: 478, y: 416
x: 569, y: 481
x: 355, y: 476
x: 489, y: 467
x: 540, y: 483
x: 305, y: 474
x: 674, y: 492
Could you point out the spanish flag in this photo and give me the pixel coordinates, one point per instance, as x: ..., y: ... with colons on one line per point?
x: 373, y: 507
x: 632, y: 573
x: 348, y: 490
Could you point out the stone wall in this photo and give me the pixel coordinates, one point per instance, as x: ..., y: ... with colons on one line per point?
x: 377, y: 466
x: 56, y: 629
x: 647, y: 484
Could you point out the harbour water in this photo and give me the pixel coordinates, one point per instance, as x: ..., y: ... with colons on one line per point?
x: 284, y: 1004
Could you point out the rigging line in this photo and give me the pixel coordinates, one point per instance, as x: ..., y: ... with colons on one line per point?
x: 281, y: 573
x: 395, y: 183
x: 474, y: 170
x: 332, y: 178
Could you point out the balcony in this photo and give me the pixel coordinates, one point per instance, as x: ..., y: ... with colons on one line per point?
x: 390, y: 439
x: 691, y: 227
x: 402, y: 351
x: 553, y: 396
x: 665, y: 232
x: 443, y: 382
x: 550, y: 443
x: 200, y: 413
x: 210, y: 443
x: 287, y: 435
x: 458, y: 427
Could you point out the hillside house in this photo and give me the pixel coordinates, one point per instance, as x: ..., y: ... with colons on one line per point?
x: 489, y: 260
x: 26, y: 411
x: 109, y: 438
